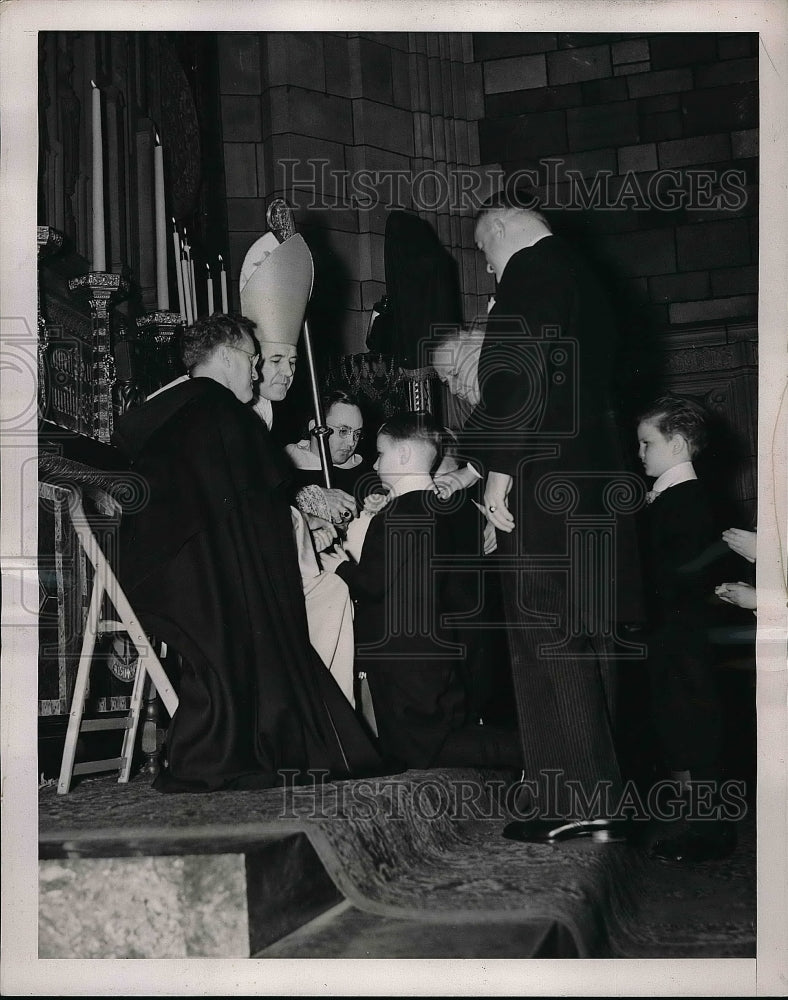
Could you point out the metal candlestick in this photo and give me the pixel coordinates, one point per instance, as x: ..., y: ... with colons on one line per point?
x: 103, y: 290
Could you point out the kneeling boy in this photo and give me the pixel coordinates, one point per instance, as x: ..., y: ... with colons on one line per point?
x: 411, y: 586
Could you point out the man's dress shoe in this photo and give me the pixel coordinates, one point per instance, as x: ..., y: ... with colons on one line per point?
x: 541, y: 831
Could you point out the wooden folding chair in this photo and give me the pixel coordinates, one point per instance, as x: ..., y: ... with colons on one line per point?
x: 107, y: 591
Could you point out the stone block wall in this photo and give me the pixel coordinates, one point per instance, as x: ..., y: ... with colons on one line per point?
x: 348, y: 126
x: 646, y: 148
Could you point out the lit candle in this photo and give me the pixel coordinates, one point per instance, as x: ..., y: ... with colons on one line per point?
x: 210, y: 289
x: 187, y: 298
x: 99, y: 245
x: 224, y: 285
x: 162, y: 286
x: 178, y: 272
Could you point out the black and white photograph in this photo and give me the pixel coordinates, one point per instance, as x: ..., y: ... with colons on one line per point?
x: 394, y: 481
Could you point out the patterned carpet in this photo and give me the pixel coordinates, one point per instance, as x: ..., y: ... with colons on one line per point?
x: 426, y: 845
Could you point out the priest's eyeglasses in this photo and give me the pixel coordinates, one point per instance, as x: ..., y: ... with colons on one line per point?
x: 343, y: 431
x: 254, y: 359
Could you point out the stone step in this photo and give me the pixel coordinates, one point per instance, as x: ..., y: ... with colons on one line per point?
x: 346, y: 932
x: 176, y: 897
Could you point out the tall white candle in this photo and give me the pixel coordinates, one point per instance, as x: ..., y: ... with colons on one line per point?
x: 99, y: 245
x: 187, y: 298
x: 210, y: 288
x: 187, y: 273
x: 191, y: 293
x: 178, y: 271
x: 224, y: 285
x: 193, y: 286
x: 162, y: 285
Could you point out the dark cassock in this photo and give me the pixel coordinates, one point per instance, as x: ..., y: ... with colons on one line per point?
x: 210, y: 566
x: 209, y: 563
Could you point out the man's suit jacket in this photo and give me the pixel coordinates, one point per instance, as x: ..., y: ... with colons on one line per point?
x: 546, y: 380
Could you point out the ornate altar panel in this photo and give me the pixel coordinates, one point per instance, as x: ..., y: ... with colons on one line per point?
x: 64, y: 581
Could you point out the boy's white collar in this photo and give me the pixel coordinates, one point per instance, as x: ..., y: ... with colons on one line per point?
x: 681, y: 473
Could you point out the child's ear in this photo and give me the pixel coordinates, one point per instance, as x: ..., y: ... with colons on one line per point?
x: 404, y: 452
x: 679, y: 443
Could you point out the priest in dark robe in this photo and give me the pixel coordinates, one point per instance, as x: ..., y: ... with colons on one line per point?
x: 209, y: 563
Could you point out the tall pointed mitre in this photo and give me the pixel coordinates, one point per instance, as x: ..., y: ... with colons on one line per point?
x: 275, y: 285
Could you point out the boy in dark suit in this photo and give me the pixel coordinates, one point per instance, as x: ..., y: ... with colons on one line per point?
x: 681, y: 533
x: 410, y: 585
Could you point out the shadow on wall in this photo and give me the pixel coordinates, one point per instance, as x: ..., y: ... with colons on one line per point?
x: 719, y: 466
x: 639, y: 370
x: 422, y: 289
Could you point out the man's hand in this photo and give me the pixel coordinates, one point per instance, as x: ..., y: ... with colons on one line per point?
x: 742, y: 542
x: 330, y: 560
x: 743, y: 595
x: 341, y: 505
x: 496, y: 494
x: 448, y: 483
x: 324, y: 533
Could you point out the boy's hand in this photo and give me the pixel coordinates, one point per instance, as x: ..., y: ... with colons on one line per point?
x: 743, y: 595
x: 744, y: 543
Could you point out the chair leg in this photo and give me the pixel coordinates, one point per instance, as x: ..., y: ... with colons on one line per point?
x: 135, y: 708
x: 81, y: 685
x: 145, y: 650
x: 149, y: 666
